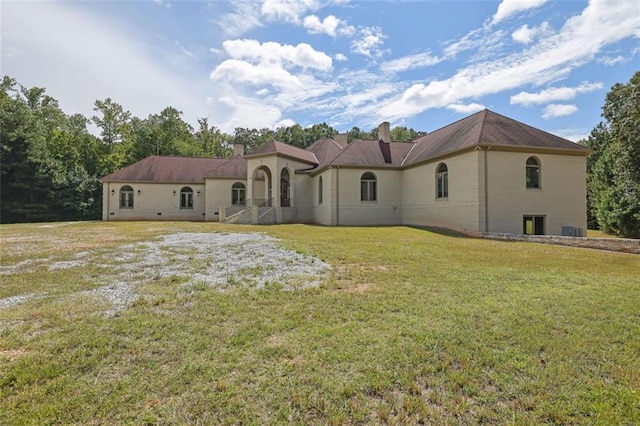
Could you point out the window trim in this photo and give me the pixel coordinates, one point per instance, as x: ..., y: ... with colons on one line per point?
x: 370, y: 182
x: 186, y: 198
x: 126, y: 194
x: 442, y: 182
x: 537, y: 173
x: 240, y: 189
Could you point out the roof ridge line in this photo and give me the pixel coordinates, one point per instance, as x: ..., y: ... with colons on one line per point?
x: 484, y: 120
x: 408, y: 154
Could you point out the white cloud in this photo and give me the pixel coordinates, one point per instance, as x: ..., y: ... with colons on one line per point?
x: 247, y: 112
x: 369, y: 42
x: 245, y: 16
x: 330, y: 25
x: 340, y: 57
x: 526, y: 35
x: 276, y: 76
x: 466, y: 109
x: 162, y: 3
x: 104, y: 62
x: 234, y: 70
x: 511, y: 7
x: 613, y: 60
x: 420, y: 60
x: 288, y: 10
x: 601, y: 23
x: 302, y: 55
x: 553, y: 94
x: 574, y: 135
x: 483, y: 41
x: 558, y: 110
x: 287, y: 122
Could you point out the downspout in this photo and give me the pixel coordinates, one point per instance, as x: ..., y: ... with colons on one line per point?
x: 486, y: 193
x: 337, y: 195
x: 108, y: 201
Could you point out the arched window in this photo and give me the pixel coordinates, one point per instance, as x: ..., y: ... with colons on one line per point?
x: 126, y: 197
x: 285, y: 189
x: 320, y: 190
x: 533, y: 173
x: 443, y: 181
x: 238, y: 192
x: 186, y: 198
x: 368, y: 189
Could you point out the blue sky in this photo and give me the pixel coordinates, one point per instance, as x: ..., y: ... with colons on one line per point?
x: 268, y: 63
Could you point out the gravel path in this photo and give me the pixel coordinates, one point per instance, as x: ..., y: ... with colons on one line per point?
x: 222, y: 260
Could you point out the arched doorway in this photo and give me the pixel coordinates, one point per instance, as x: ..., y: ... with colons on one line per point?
x: 261, y: 189
x: 285, y: 188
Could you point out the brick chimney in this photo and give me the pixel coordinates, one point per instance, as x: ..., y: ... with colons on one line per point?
x: 384, y: 132
x: 238, y: 149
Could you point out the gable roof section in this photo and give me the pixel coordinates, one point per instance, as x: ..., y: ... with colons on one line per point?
x: 290, y: 151
x: 325, y: 149
x: 365, y: 153
x: 158, y: 168
x: 233, y: 168
x: 486, y: 128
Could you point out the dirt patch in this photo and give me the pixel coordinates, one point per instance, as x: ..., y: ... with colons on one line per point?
x: 12, y: 354
x: 221, y: 260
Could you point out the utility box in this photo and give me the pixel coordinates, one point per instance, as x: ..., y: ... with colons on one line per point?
x: 570, y: 231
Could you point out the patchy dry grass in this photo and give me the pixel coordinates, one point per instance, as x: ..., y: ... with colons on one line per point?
x: 411, y: 327
x: 593, y: 233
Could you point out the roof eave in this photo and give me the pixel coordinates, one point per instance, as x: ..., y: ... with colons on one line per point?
x: 280, y: 154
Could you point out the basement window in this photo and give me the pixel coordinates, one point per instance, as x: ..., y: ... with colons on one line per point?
x: 533, y: 225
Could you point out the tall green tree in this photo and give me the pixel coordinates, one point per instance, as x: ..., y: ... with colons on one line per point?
x: 253, y: 138
x: 112, y: 120
x: 46, y: 158
x: 211, y: 141
x: 318, y: 131
x: 293, y: 135
x: 163, y: 134
x: 614, y: 171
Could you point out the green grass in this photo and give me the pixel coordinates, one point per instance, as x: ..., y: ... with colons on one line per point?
x: 411, y: 326
x: 595, y: 233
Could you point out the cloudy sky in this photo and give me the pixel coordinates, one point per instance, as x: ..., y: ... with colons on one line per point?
x: 268, y: 63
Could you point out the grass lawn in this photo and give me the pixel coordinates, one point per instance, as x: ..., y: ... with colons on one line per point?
x: 410, y: 326
x: 596, y: 233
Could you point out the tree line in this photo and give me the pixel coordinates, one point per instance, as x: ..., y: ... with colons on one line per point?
x: 51, y: 164
x: 613, y: 170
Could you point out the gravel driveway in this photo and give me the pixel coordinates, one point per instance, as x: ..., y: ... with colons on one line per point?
x: 221, y: 260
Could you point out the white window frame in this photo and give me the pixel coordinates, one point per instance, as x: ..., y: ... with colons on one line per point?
x: 126, y: 197
x: 186, y: 198
x: 368, y: 187
x: 238, y: 194
x: 532, y: 174
x: 442, y: 181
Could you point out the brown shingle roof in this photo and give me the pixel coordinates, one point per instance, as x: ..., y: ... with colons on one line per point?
x: 166, y: 169
x: 276, y: 147
x: 233, y: 168
x: 488, y: 129
x: 325, y: 149
x: 362, y: 152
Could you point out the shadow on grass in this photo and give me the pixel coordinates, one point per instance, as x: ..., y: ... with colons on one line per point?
x: 446, y: 232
